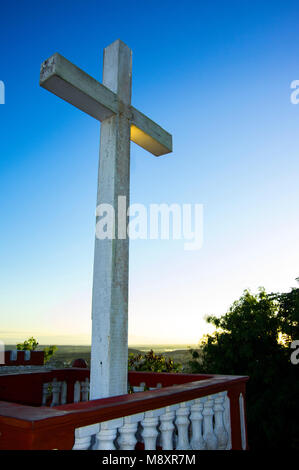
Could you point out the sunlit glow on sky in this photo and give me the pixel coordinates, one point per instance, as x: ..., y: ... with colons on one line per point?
x: 217, y: 77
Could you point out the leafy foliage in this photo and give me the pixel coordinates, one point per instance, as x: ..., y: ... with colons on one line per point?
x: 28, y: 345
x: 152, y: 362
x: 31, y: 344
x: 253, y: 338
x: 49, y: 352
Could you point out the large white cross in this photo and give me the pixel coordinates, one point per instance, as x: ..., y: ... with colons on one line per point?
x: 110, y: 103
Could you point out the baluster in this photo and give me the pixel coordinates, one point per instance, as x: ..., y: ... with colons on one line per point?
x: 182, y: 423
x: 127, y: 439
x: 63, y: 392
x: 139, y: 433
x: 55, y: 392
x: 83, y: 436
x: 208, y: 435
x: 77, y: 391
x: 226, y: 418
x: 219, y: 428
x: 85, y: 389
x: 107, y: 433
x: 242, y: 419
x: 197, y: 441
x: 45, y: 394
x: 159, y: 438
x: 150, y: 432
x: 14, y: 355
x: 27, y: 354
x: 167, y: 427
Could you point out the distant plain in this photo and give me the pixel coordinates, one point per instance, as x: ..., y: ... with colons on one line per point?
x: 65, y: 355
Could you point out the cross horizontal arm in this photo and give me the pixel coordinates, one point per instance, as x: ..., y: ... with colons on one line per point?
x: 70, y: 83
x: 149, y: 135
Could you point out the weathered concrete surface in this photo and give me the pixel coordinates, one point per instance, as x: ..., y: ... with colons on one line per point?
x: 70, y: 83
x: 110, y: 103
x: 109, y: 347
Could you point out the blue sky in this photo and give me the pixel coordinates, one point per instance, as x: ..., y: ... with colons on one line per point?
x: 217, y: 77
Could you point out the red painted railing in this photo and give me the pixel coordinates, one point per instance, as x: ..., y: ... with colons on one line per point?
x: 35, y: 427
x: 27, y: 388
x: 23, y: 358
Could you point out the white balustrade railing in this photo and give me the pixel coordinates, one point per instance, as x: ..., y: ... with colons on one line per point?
x: 56, y: 392
x: 201, y: 412
x: 203, y: 423
x: 199, y: 424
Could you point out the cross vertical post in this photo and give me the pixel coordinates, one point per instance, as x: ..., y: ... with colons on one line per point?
x: 109, y: 346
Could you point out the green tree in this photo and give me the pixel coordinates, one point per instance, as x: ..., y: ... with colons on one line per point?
x: 49, y: 352
x: 253, y: 338
x: 152, y: 362
x: 28, y: 345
